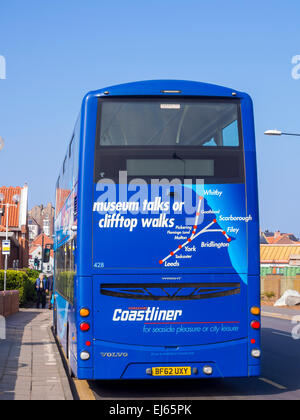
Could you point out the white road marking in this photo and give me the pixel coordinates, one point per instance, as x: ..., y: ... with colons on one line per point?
x: 274, y: 384
x: 285, y: 335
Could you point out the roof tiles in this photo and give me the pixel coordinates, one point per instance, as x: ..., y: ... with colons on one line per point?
x: 13, y: 214
x: 280, y: 254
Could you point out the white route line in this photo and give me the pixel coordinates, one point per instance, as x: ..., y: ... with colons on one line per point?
x: 194, y: 234
x: 197, y: 216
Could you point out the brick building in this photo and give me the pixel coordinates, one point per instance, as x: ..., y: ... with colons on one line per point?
x: 41, y: 220
x: 17, y: 225
x: 280, y: 268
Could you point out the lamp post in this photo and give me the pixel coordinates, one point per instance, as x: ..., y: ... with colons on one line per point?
x: 279, y: 133
x: 1, y: 143
x: 16, y: 199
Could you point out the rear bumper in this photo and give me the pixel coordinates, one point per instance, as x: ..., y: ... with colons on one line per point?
x: 120, y: 361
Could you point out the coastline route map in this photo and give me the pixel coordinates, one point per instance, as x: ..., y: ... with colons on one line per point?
x: 195, y: 234
x: 203, y: 227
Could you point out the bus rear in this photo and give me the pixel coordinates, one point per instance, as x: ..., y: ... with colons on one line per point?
x: 168, y: 251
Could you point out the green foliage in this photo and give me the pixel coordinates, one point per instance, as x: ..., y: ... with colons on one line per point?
x: 22, y: 281
x: 32, y: 275
x: 269, y: 295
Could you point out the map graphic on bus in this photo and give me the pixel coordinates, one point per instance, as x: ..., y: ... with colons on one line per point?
x: 215, y: 234
x: 211, y: 227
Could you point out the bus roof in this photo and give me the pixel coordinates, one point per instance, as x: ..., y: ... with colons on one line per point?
x: 168, y: 87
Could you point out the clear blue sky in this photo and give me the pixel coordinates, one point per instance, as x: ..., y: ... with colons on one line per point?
x: 58, y: 50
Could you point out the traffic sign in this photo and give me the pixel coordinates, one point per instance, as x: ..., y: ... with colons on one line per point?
x: 5, y: 247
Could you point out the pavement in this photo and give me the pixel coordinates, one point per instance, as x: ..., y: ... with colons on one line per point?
x: 280, y: 312
x: 30, y: 363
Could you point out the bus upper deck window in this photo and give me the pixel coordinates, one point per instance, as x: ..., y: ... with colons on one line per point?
x: 231, y: 135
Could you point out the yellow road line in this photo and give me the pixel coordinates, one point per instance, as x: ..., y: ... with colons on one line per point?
x: 82, y: 387
x: 84, y: 391
x: 268, y: 381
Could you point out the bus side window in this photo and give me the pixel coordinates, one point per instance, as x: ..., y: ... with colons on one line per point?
x: 76, y: 151
x: 71, y: 164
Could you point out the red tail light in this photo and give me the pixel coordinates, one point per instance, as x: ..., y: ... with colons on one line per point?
x: 84, y: 326
x: 255, y: 325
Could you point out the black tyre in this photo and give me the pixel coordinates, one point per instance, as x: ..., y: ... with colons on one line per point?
x: 55, y: 320
x: 71, y: 374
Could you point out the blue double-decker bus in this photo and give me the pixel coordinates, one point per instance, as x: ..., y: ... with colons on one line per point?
x: 157, y: 235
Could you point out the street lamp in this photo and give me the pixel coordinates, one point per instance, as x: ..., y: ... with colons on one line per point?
x: 279, y: 133
x: 16, y: 199
x: 1, y: 143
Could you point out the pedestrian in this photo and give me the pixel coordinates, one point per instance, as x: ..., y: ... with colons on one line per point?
x: 50, y: 288
x: 41, y: 286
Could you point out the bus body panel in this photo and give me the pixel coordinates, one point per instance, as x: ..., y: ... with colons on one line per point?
x: 120, y: 361
x: 185, y: 317
x: 253, y: 301
x: 251, y: 185
x: 115, y: 350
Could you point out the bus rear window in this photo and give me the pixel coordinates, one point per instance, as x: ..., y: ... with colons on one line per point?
x: 169, y: 138
x: 168, y: 122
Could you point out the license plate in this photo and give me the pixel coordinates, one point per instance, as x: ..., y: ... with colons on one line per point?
x: 172, y: 371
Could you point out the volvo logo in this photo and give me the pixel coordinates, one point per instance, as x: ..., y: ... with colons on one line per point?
x: 114, y: 355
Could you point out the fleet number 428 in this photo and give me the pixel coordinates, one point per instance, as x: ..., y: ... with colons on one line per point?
x: 99, y: 265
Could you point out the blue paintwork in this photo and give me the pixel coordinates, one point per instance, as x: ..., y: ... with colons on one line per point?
x: 134, y: 349
x: 225, y: 358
